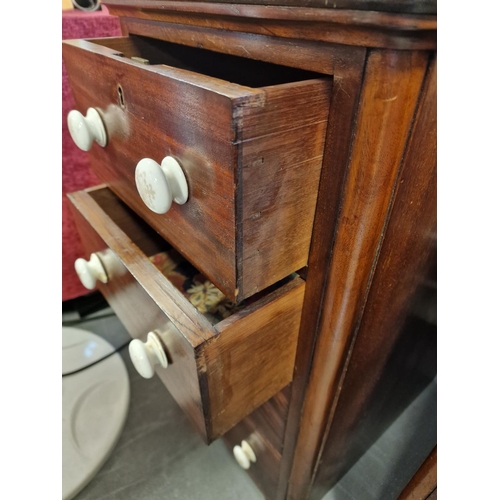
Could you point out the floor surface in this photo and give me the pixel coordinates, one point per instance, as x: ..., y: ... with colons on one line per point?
x: 159, y: 456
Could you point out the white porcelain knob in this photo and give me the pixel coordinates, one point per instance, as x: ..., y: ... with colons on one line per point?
x: 244, y: 455
x: 90, y: 271
x: 146, y: 355
x: 86, y: 129
x: 159, y: 185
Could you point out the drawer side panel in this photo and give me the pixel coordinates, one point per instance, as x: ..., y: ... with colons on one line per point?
x: 280, y: 187
x: 252, y: 358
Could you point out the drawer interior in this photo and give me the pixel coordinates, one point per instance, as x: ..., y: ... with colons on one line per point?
x: 234, y: 69
x: 199, y: 291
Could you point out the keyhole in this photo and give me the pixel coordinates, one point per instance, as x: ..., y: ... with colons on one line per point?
x: 121, y: 99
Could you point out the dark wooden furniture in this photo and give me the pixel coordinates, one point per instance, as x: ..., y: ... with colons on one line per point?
x: 218, y: 373
x: 423, y: 485
x: 366, y: 344
x: 249, y: 136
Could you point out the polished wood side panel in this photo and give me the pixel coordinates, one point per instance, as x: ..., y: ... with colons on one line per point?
x: 348, y: 74
x: 252, y: 359
x: 124, y: 27
x: 347, y: 27
x: 284, y: 107
x: 391, y: 88
x: 424, y: 482
x: 407, y: 253
x: 279, y: 176
x: 277, y: 222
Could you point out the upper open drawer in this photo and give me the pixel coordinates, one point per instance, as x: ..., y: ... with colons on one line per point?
x: 246, y: 136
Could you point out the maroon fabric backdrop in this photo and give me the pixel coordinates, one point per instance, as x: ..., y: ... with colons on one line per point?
x: 76, y: 173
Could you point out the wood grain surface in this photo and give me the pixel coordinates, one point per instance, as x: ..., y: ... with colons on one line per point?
x: 196, y: 128
x: 296, y: 13
x: 140, y: 315
x: 194, y: 326
x: 308, y: 55
x: 424, y: 482
x: 406, y: 255
x: 237, y: 145
x: 252, y: 358
x: 373, y: 212
x: 281, y: 153
x: 347, y: 81
x: 402, y: 6
x: 390, y: 92
x: 219, y: 374
x: 264, y: 429
x: 347, y: 27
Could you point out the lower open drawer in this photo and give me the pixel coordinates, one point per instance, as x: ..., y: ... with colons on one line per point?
x: 224, y: 361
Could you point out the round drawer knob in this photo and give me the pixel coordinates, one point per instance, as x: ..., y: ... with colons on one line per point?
x: 159, y: 185
x: 146, y: 355
x: 86, y: 129
x: 89, y: 271
x: 244, y: 455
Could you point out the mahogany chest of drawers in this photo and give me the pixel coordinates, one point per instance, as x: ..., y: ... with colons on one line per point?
x: 286, y: 154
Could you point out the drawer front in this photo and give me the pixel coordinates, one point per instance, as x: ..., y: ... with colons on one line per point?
x: 264, y: 431
x: 251, y: 156
x: 218, y: 373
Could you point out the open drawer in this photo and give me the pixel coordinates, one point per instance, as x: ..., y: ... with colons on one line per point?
x: 221, y: 366
x: 247, y: 138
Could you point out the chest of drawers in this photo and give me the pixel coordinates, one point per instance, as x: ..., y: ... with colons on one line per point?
x: 306, y: 138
